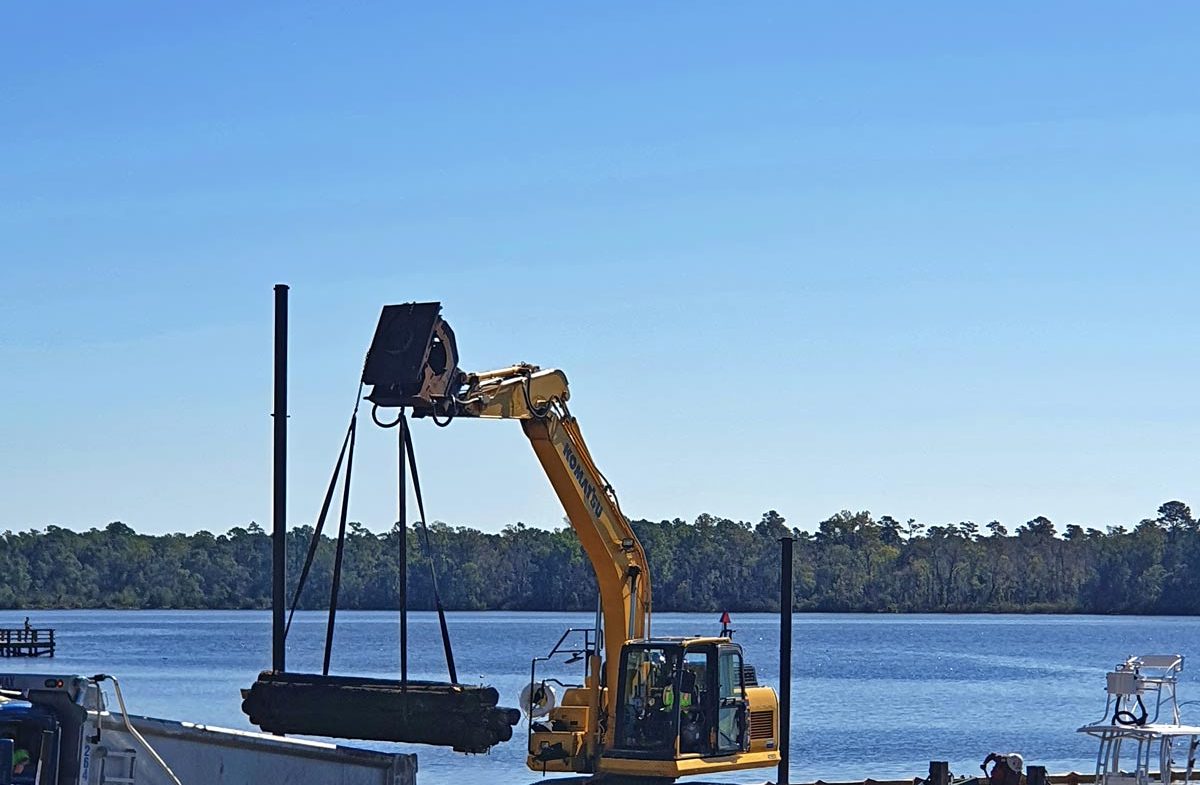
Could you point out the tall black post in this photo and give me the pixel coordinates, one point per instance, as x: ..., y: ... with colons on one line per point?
x: 279, y: 482
x: 402, y: 515
x: 785, y: 659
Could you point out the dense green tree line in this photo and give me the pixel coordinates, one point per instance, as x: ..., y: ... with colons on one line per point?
x: 851, y: 562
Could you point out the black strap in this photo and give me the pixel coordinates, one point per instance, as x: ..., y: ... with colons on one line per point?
x: 437, y: 597
x: 341, y: 546
x: 315, y: 542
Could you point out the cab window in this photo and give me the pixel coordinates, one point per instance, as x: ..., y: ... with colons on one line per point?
x: 732, y: 701
x: 694, y: 695
x: 648, y: 713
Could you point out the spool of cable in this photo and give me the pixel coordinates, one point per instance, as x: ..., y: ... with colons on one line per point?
x: 538, y: 699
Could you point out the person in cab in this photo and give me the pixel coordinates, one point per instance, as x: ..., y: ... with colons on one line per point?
x: 21, y: 761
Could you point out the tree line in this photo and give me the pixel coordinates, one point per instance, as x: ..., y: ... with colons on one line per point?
x: 850, y: 562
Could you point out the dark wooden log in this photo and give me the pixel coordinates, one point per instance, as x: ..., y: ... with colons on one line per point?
x: 464, y: 718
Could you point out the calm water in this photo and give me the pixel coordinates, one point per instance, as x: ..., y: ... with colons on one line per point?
x: 875, y: 696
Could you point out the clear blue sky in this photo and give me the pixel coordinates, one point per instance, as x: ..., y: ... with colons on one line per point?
x: 932, y: 260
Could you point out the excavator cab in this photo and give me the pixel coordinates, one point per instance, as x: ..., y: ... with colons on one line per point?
x: 679, y: 697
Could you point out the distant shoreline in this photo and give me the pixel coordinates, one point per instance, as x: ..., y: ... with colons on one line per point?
x: 851, y: 563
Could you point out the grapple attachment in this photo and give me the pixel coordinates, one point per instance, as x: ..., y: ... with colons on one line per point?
x: 413, y: 360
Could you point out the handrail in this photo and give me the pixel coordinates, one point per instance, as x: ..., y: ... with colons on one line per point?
x: 589, y: 646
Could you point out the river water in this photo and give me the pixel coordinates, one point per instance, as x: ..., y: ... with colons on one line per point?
x: 873, y: 695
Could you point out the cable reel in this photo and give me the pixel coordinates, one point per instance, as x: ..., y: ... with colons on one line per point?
x: 537, y: 700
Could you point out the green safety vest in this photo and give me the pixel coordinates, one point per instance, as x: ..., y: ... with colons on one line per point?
x: 669, y: 698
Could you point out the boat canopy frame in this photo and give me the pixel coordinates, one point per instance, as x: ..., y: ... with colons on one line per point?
x: 1157, y: 735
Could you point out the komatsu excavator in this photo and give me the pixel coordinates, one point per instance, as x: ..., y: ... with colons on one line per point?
x: 650, y: 708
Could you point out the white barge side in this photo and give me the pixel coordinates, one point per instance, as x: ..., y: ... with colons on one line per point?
x: 63, y: 726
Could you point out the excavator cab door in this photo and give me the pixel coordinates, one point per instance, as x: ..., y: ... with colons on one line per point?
x: 732, y: 722
x: 713, y: 708
x: 647, y: 717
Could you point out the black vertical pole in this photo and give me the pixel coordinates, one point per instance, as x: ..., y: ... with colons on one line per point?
x: 402, y: 518
x: 279, y: 482
x: 785, y: 659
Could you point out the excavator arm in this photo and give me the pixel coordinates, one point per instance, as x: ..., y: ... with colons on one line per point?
x: 413, y: 364
x: 539, y: 400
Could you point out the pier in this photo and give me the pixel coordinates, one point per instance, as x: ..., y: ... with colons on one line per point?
x: 27, y: 642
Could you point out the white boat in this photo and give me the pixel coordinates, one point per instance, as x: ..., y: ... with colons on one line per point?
x: 63, y: 730
x: 1143, y: 739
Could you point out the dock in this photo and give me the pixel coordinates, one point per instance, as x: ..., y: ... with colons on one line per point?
x: 27, y: 642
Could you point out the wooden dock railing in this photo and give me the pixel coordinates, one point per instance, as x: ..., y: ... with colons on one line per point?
x: 27, y: 642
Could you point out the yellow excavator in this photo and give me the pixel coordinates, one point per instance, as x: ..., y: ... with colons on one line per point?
x: 650, y: 708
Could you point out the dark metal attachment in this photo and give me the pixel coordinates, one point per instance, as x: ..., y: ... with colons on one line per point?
x: 413, y: 360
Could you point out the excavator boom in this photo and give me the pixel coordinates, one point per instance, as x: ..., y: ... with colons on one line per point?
x: 539, y: 400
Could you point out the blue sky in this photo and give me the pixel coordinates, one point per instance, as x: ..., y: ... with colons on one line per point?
x: 931, y: 260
